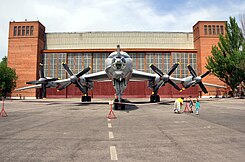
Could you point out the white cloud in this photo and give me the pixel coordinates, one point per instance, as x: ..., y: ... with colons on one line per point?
x: 113, y: 15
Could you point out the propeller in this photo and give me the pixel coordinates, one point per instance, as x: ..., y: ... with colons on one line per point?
x: 42, y: 80
x: 165, y: 78
x: 74, y: 78
x: 197, y: 79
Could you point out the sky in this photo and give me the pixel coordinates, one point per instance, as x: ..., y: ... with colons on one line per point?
x: 115, y: 15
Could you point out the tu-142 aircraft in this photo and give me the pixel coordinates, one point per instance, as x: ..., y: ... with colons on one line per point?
x: 120, y: 71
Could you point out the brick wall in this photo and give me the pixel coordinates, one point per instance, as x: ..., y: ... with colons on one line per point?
x: 26, y: 40
x: 206, y: 34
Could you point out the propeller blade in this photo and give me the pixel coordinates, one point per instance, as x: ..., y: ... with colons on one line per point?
x: 44, y: 90
x: 41, y: 71
x: 84, y: 71
x: 174, y: 85
x: 189, y: 84
x: 80, y: 87
x: 33, y: 82
x: 68, y: 70
x: 158, y: 85
x: 64, y: 86
x: 156, y: 70
x: 192, y: 71
x: 52, y: 79
x: 173, y: 68
x: 205, y: 74
x: 203, y: 87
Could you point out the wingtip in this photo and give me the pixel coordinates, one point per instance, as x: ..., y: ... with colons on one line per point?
x: 188, y: 65
x: 183, y: 89
x: 177, y: 62
x: 58, y: 90
x: 150, y: 65
x: 41, y: 64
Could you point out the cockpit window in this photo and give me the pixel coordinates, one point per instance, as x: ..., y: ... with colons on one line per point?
x: 125, y: 56
x: 114, y: 54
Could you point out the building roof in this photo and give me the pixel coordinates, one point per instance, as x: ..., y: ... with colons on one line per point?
x: 127, y: 39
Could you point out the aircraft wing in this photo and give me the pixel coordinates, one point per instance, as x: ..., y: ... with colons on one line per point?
x: 214, y: 85
x: 176, y: 80
x: 29, y: 87
x: 98, y: 76
x: 140, y: 75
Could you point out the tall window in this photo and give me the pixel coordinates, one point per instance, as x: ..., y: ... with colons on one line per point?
x: 209, y: 30
x: 205, y: 30
x: 133, y: 57
x: 149, y: 60
x: 31, y: 30
x: 141, y: 58
x: 53, y: 65
x: 87, y: 60
x: 184, y: 63
x: 213, y: 29
x: 27, y: 30
x: 104, y: 57
x: 96, y: 62
x: 60, y: 69
x: 19, y: 30
x: 217, y: 29
x: 192, y: 61
x: 71, y: 62
x: 222, y: 29
x: 166, y: 57
x: 45, y: 61
x: 23, y: 30
x: 15, y: 30
x: 158, y: 60
x: 176, y: 57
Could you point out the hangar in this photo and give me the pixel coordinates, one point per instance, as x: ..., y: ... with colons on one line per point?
x: 29, y: 45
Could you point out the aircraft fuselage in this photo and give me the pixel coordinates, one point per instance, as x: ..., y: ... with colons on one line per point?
x: 119, y: 70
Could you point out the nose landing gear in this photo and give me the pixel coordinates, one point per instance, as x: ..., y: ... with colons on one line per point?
x: 118, y: 104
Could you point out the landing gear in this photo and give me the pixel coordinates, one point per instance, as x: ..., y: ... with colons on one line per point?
x: 120, y: 105
x: 86, y: 98
x: 155, y: 98
x: 115, y: 106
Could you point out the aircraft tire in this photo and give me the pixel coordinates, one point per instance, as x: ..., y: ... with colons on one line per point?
x: 157, y: 98
x: 154, y: 98
x: 122, y: 105
x: 86, y: 98
x: 115, y: 106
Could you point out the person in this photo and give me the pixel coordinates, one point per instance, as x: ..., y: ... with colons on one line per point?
x: 178, y: 105
x: 197, y: 106
x: 190, y: 104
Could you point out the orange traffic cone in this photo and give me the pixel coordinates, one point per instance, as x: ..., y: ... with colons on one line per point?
x: 3, y: 112
x: 111, y: 114
x: 187, y: 107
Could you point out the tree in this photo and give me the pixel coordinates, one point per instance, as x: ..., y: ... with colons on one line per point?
x: 228, y: 58
x: 242, y: 21
x: 8, y: 78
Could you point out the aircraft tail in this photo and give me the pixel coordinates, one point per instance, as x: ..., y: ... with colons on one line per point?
x: 118, y: 50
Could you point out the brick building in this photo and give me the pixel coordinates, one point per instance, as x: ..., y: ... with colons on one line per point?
x: 29, y: 45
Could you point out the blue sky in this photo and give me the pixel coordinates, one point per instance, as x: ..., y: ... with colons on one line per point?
x: 115, y: 15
